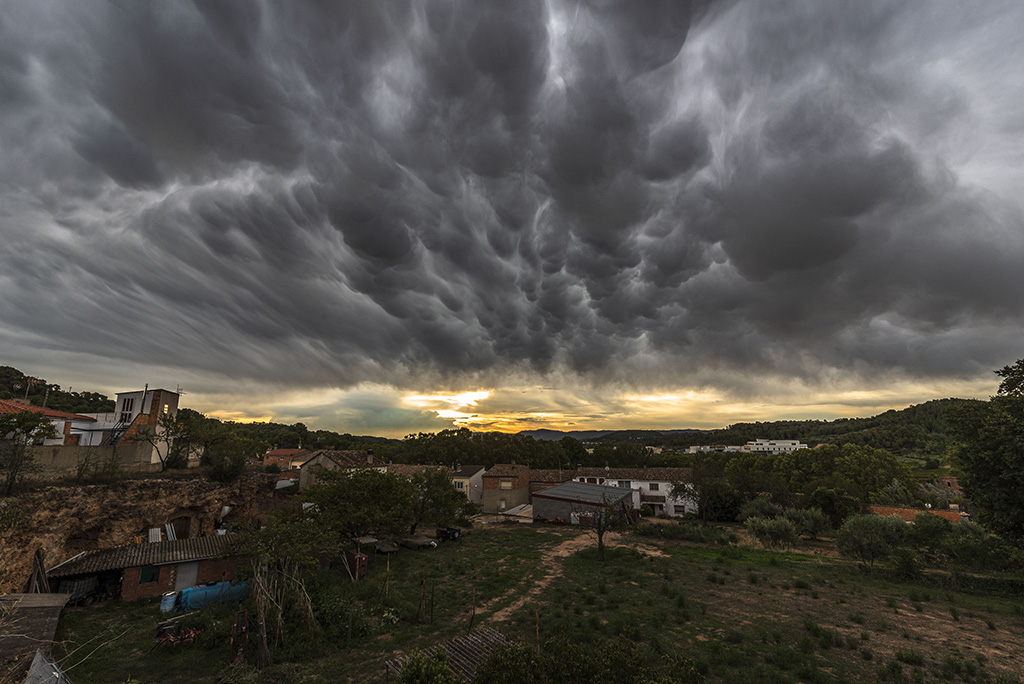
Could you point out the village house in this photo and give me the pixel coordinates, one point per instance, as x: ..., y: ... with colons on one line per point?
x: 67, y: 426
x: 757, y: 446
x: 150, y: 569
x: 649, y: 486
x: 336, y: 459
x: 135, y: 419
x: 505, y: 486
x: 469, y: 479
x: 285, y: 459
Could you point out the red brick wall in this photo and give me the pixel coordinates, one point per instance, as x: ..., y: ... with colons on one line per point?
x: 213, y: 570
x: 131, y: 590
x: 518, y: 482
x: 219, y: 569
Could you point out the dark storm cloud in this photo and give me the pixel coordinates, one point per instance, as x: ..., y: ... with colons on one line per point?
x: 330, y: 193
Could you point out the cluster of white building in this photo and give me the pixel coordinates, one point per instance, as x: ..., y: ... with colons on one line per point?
x: 758, y: 446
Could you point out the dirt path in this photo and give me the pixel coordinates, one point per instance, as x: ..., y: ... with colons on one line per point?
x: 551, y: 561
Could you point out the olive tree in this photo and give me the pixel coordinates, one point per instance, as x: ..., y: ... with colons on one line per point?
x: 869, y: 537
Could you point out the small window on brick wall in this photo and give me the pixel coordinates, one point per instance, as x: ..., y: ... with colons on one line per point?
x: 505, y: 484
x: 149, y: 574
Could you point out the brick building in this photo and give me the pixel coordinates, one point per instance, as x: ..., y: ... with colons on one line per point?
x: 148, y: 570
x: 505, y: 486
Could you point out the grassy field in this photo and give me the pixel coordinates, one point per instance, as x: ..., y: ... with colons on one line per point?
x: 742, y: 614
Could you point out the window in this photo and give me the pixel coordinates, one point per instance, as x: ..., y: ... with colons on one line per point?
x: 505, y: 484
x: 149, y: 574
x: 165, y: 409
x: 653, y: 486
x: 126, y: 409
x: 458, y: 484
x: 625, y: 484
x: 501, y: 505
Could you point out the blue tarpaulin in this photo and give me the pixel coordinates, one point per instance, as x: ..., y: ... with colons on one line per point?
x: 206, y: 595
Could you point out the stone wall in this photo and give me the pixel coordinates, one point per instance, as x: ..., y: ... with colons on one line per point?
x: 61, y: 521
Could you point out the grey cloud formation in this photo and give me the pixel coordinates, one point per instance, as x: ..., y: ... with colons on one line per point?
x: 312, y: 193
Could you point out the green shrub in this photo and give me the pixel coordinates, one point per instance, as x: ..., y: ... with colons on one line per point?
x: 773, y: 532
x: 758, y: 508
x: 810, y: 521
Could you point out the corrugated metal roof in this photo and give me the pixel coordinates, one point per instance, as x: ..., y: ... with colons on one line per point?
x: 585, y: 493
x: 159, y: 553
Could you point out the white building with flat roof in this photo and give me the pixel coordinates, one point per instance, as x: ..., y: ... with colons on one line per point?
x: 758, y: 446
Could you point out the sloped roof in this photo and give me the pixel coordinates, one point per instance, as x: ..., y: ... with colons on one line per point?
x: 412, y: 469
x: 583, y: 492
x: 287, y: 452
x: 36, y: 617
x: 157, y: 553
x: 655, y: 474
x: 467, y: 471
x: 8, y: 406
x: 348, y: 458
x: 506, y: 470
x: 553, y: 475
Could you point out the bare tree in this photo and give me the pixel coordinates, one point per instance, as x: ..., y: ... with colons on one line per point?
x: 598, y: 519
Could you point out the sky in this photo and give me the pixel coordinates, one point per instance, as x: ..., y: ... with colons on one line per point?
x: 385, y: 218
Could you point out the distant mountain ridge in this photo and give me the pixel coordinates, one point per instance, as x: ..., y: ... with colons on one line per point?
x: 602, y: 435
x: 920, y: 429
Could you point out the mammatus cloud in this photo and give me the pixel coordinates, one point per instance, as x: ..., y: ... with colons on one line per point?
x: 633, y: 197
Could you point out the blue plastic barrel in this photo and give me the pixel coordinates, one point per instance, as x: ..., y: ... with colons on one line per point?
x: 167, y: 601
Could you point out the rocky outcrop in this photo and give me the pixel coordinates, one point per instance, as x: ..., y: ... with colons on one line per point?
x: 62, y: 521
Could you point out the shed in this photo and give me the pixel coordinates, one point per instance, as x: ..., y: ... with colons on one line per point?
x: 570, y: 501
x: 148, y: 570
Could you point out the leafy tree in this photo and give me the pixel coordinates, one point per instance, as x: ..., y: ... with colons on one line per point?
x: 437, y: 502
x: 773, y: 532
x: 991, y: 456
x: 869, y: 537
x: 227, y: 457
x: 354, y: 503
x: 835, y: 502
x: 424, y: 669
x: 18, y: 432
x: 1012, y: 384
x: 716, y: 499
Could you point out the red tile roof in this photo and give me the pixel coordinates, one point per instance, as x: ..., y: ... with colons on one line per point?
x: 8, y: 406
x: 286, y: 452
x: 506, y: 470
x: 348, y: 458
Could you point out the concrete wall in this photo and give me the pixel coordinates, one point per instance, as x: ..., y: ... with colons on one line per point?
x: 67, y: 460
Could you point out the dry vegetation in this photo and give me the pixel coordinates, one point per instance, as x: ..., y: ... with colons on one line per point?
x: 743, y: 614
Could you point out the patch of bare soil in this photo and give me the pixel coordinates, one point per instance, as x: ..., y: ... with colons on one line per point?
x: 552, y: 564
